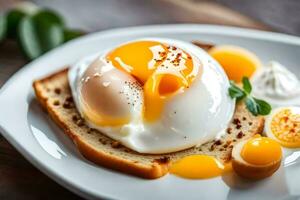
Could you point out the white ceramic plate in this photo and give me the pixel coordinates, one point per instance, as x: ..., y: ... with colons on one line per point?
x: 31, y: 131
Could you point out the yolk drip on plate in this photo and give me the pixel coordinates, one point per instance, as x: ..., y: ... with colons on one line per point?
x: 285, y: 127
x: 161, y: 69
x: 261, y: 151
x: 199, y: 167
x: 236, y: 61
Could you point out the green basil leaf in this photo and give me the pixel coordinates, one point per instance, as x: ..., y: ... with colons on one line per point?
x: 38, y: 34
x: 264, y: 108
x: 255, y: 106
x: 71, y: 34
x: 13, y: 18
x: 252, y: 106
x: 246, y: 85
x: 2, y: 27
x: 236, y: 92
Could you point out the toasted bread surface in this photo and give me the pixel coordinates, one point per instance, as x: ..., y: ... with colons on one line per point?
x: 53, y: 92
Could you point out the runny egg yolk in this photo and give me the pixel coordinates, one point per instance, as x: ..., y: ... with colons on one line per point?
x: 237, y: 62
x: 199, y: 167
x: 161, y: 69
x: 261, y: 151
x: 136, y: 58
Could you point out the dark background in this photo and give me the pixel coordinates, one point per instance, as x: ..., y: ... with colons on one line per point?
x: 18, y: 178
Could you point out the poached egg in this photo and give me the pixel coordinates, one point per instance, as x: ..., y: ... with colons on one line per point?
x: 153, y: 95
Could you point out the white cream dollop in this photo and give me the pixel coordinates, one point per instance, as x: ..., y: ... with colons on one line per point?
x: 276, y: 84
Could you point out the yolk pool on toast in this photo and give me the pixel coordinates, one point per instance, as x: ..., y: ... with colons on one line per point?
x: 236, y: 61
x: 261, y: 151
x: 199, y: 167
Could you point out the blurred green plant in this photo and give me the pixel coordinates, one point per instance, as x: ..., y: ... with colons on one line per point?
x: 2, y: 27
x: 36, y: 30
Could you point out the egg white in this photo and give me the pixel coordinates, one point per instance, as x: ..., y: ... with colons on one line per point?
x: 193, y: 117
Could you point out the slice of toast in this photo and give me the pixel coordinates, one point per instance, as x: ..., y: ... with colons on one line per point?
x: 54, y: 94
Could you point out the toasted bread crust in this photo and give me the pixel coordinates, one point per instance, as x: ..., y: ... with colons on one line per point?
x: 123, y: 159
x: 116, y: 163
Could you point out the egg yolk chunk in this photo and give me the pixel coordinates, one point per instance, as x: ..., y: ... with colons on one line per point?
x: 261, y: 151
x: 285, y: 127
x: 237, y: 62
x: 199, y: 167
x: 161, y: 69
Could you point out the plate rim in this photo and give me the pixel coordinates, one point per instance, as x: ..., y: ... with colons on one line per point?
x: 183, y: 28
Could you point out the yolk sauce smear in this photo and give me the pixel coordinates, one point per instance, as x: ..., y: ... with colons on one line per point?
x: 199, y: 167
x: 261, y: 151
x: 161, y: 69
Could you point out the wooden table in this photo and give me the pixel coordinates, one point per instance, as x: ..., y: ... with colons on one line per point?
x: 18, y: 178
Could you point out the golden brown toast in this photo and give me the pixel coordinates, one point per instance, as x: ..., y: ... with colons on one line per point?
x: 54, y: 94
